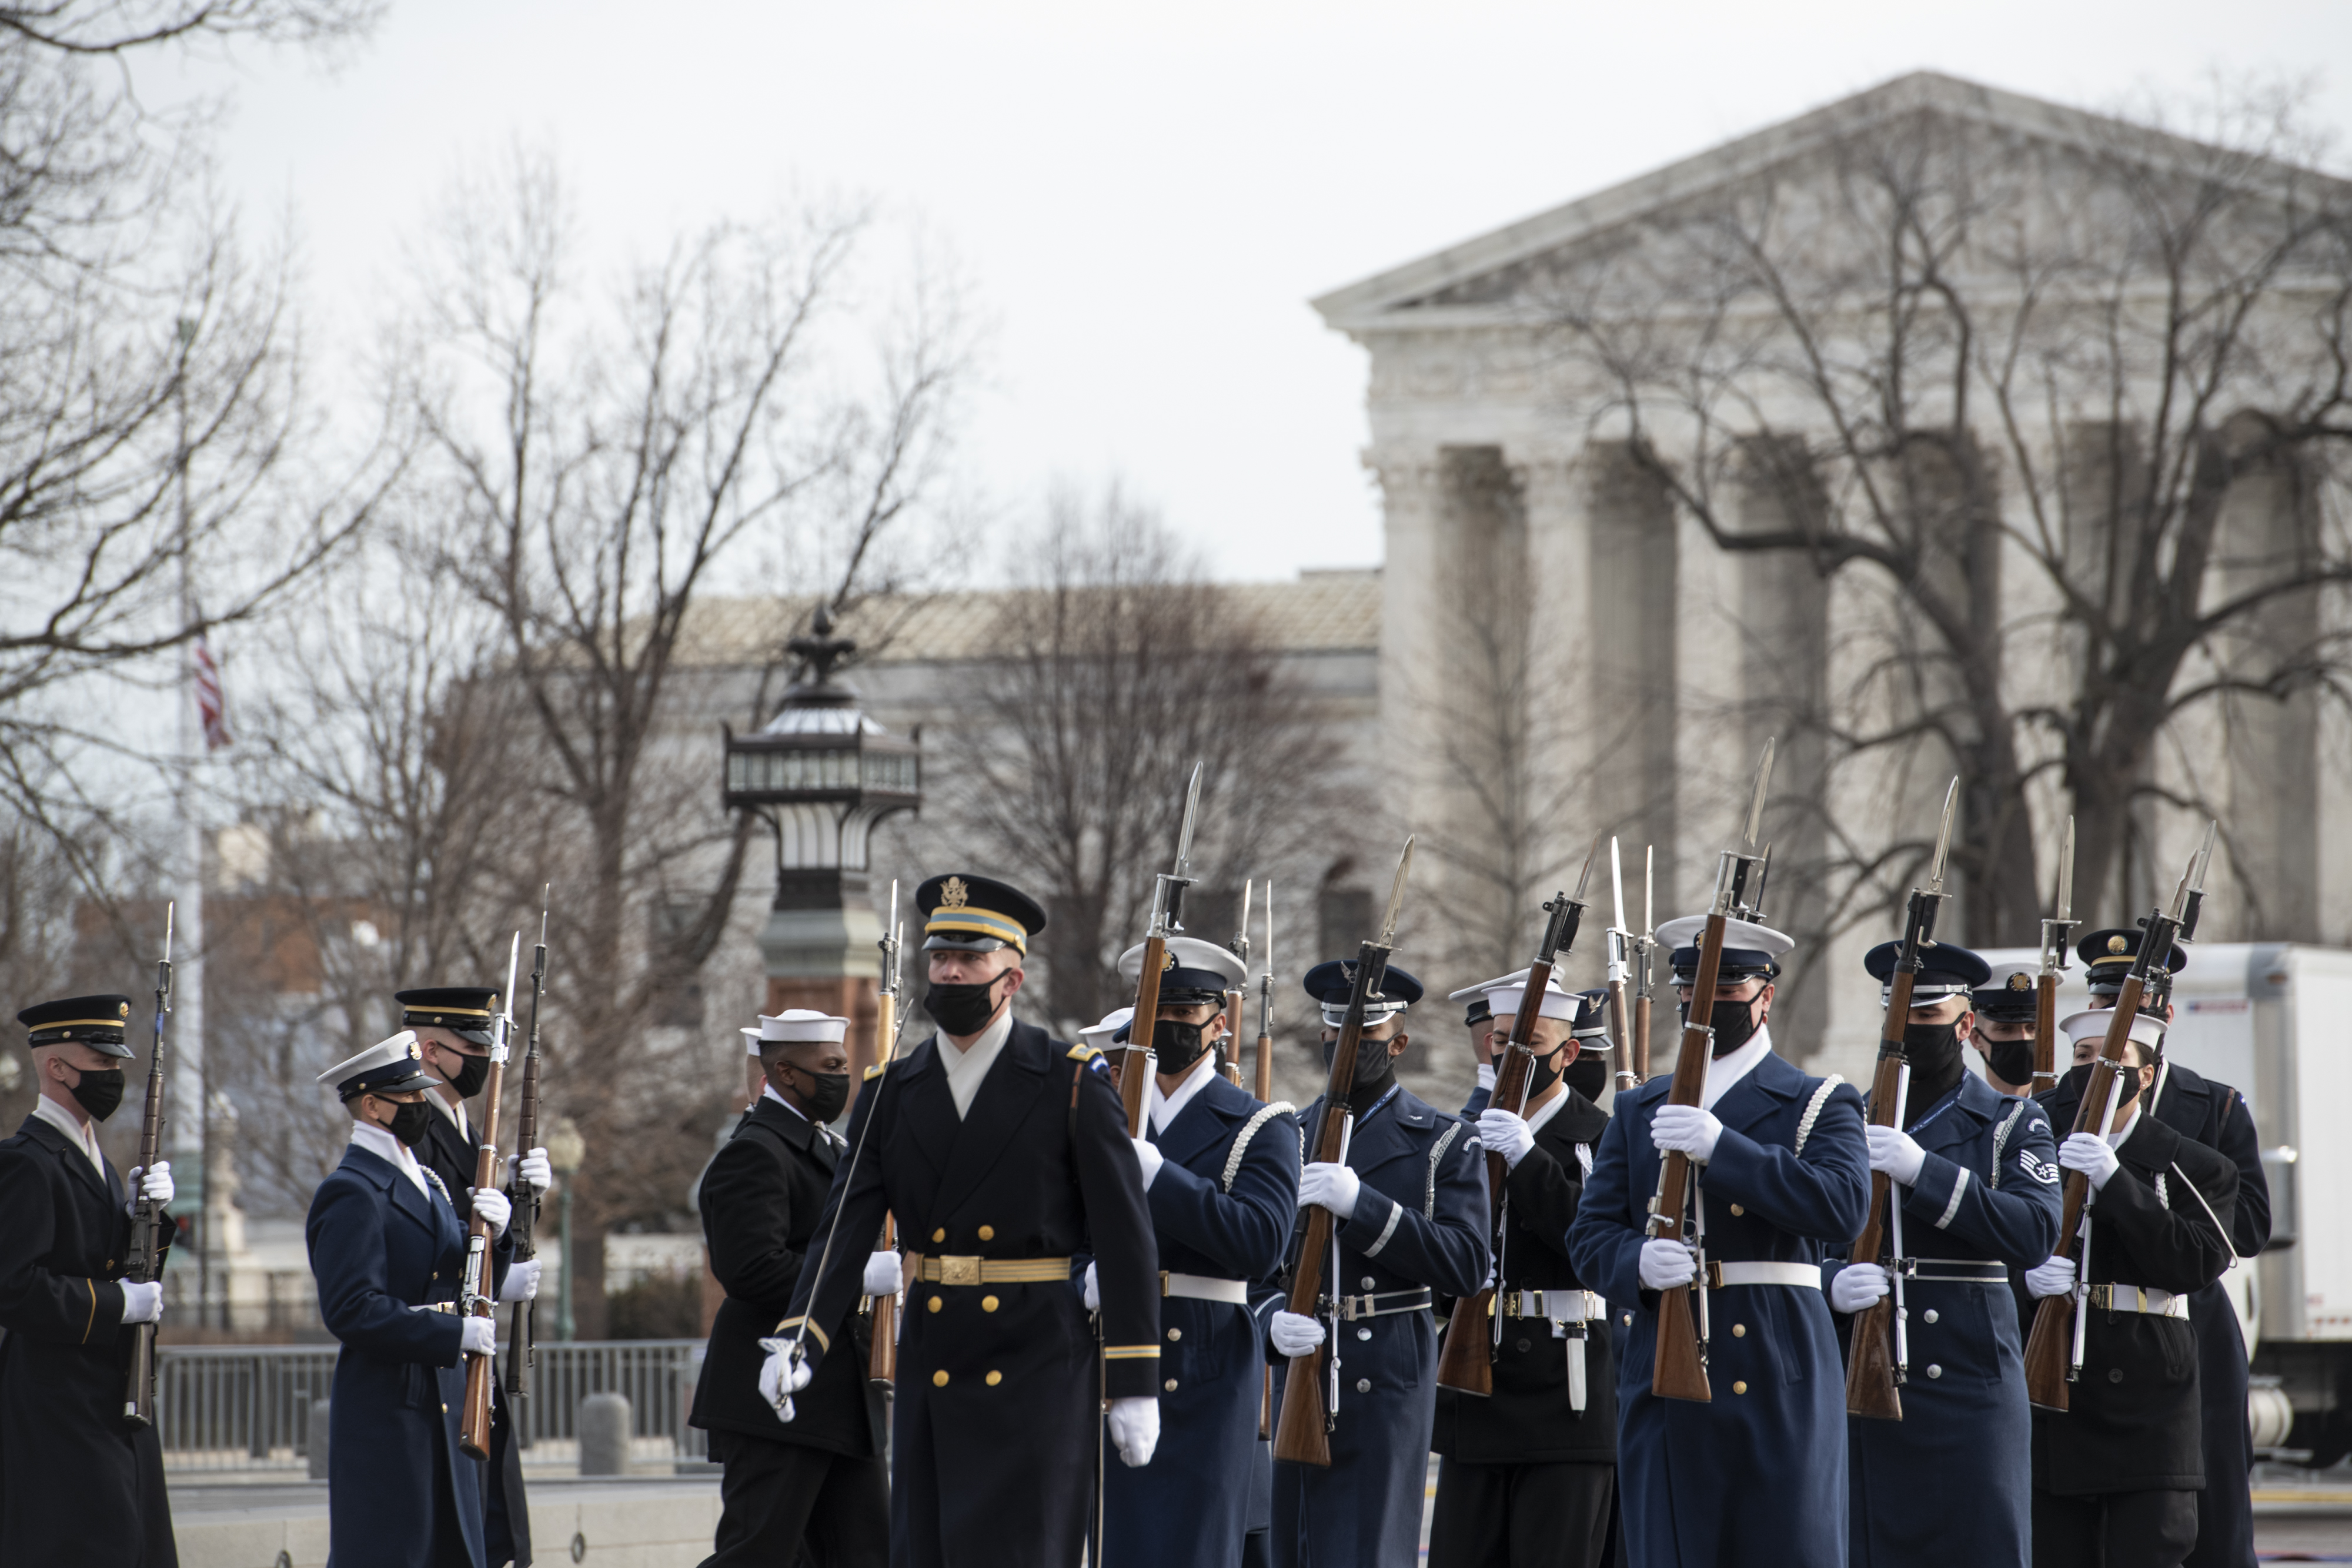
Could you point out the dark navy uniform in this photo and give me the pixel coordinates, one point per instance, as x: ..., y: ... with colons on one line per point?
x: 79, y: 1485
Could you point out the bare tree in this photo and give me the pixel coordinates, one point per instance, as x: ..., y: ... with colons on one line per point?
x: 2006, y: 387
x: 116, y: 27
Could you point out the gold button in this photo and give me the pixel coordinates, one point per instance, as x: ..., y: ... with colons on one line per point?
x: 939, y: 1235
x: 988, y: 1233
x: 933, y: 1303
x: 1175, y: 1333
x: 1169, y: 1385
x: 939, y: 1379
x: 1740, y: 1331
x: 109, y: 1262
x: 444, y: 1409
x: 988, y: 1303
x: 1736, y: 1388
x: 993, y: 1379
x: 1737, y: 1209
x: 435, y: 1275
x: 1629, y: 1320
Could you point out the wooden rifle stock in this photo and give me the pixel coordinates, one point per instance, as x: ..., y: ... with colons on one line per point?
x: 882, y: 1357
x: 1870, y: 1388
x: 521, y: 1335
x: 1641, y: 1039
x: 882, y: 1360
x: 1133, y: 1068
x: 1680, y: 1370
x: 474, y: 1430
x: 1234, y: 1001
x: 2045, y: 1035
x: 1265, y: 1094
x: 2048, y: 1350
x: 1620, y: 1036
x: 145, y: 1257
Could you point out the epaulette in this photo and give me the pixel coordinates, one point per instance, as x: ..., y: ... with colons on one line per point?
x: 1083, y: 1053
x: 874, y: 1071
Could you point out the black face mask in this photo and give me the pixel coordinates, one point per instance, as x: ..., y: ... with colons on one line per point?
x: 826, y: 1102
x: 471, y: 1077
x: 2077, y: 1082
x: 100, y: 1091
x: 962, y: 1010
x: 1734, y: 1024
x: 1935, y: 1066
x: 1177, y: 1044
x: 1589, y: 1073
x: 410, y: 1118
x: 2011, y: 1060
x: 1545, y: 1074
x: 1375, y: 1068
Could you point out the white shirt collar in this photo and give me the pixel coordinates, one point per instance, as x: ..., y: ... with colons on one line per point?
x: 967, y: 1067
x: 380, y: 1143
x: 1546, y: 1111
x: 768, y: 1091
x: 84, y: 1139
x: 1165, y: 1108
x: 455, y: 1110
x: 2131, y: 1120
x: 1724, y: 1071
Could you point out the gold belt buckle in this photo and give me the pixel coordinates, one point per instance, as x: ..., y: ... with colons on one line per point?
x: 959, y: 1270
x: 2102, y: 1298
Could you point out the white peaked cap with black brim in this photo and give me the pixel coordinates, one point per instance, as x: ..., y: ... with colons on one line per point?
x: 1506, y: 994
x: 804, y: 1025
x: 391, y: 1066
x: 1750, y: 951
x: 1099, y: 1035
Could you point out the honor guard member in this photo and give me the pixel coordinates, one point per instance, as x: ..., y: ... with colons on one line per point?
x: 451, y: 1025
x: 389, y: 1255
x: 1001, y: 1152
x: 1758, y: 1474
x: 2216, y: 1116
x: 1221, y: 1175
x: 817, y: 1484
x: 1410, y: 1206
x: 79, y: 1484
x: 2115, y: 1476
x: 2003, y: 1034
x: 1976, y: 1176
x: 1526, y: 1476
x: 1477, y: 1017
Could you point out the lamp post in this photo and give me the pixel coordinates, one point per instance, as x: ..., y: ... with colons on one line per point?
x: 566, y: 1151
x: 821, y: 775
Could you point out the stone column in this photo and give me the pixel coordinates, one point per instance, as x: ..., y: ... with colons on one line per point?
x: 822, y: 948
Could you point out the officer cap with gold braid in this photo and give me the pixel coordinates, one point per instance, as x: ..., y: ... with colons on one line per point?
x: 464, y: 1010
x: 2012, y: 998
x: 968, y: 914
x: 96, y: 1022
x: 2107, y: 957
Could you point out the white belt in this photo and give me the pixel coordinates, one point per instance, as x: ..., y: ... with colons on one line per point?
x: 1560, y: 1306
x: 1201, y: 1288
x: 2146, y: 1298
x: 1806, y: 1275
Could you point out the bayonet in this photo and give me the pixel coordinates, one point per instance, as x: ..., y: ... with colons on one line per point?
x: 1396, y: 897
x: 1942, y: 841
x: 1239, y: 947
x: 2066, y: 875
x: 1168, y: 892
x: 1756, y: 802
x: 1617, y: 893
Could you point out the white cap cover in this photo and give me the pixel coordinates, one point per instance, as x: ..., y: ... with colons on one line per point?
x: 802, y: 1024
x: 1098, y: 1035
x: 2148, y: 1031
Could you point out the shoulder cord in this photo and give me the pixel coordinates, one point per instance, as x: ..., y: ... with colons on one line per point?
x: 1437, y: 1155
x: 2000, y: 1140
x: 2226, y: 1238
x: 1233, y: 1157
x: 1813, y: 1111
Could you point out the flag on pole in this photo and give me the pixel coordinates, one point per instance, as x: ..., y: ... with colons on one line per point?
x: 210, y: 706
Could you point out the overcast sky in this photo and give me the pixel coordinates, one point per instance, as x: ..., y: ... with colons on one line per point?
x: 1145, y: 196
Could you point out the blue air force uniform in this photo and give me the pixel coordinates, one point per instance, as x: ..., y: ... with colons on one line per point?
x: 1222, y: 1200
x: 390, y: 1260
x: 1419, y: 1230
x: 1759, y: 1475
x: 1952, y: 1482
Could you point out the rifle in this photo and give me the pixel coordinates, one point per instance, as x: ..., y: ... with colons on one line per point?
x: 147, y: 1217
x: 520, y: 1339
x: 474, y: 1300
x: 1240, y: 949
x: 1645, y: 946
x: 1265, y: 1094
x: 2054, y: 1353
x: 1137, y: 1060
x: 1875, y: 1369
x: 1621, y: 949
x: 1472, y: 1339
x: 2055, y: 933
x: 1303, y: 1436
x: 882, y: 1359
x: 1680, y: 1371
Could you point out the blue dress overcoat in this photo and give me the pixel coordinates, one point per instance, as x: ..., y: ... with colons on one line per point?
x: 1952, y: 1482
x: 1191, y: 1504
x: 1420, y: 1220
x: 1757, y: 1475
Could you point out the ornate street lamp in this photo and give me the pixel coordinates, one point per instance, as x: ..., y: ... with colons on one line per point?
x: 821, y: 775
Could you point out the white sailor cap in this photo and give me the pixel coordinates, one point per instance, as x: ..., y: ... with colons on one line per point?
x: 1506, y: 993
x: 1192, y: 971
x: 388, y: 1067
x: 2148, y: 1031
x: 795, y: 1024
x: 1098, y: 1035
x: 1750, y: 951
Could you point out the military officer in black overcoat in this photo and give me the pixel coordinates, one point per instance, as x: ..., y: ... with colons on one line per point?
x: 1526, y: 1474
x: 2115, y: 1476
x: 1411, y: 1203
x: 1001, y: 1152
x: 451, y: 1025
x: 817, y: 1484
x: 2216, y: 1116
x: 79, y: 1484
x: 389, y: 1255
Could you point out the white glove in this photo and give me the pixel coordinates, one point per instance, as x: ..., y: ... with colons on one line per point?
x: 142, y: 1302
x: 1094, y: 1290
x: 1686, y: 1130
x: 157, y: 1185
x: 478, y: 1336
x: 1330, y: 1187
x: 1147, y: 1155
x: 784, y: 1374
x: 521, y: 1283
x: 2054, y: 1278
x: 1896, y: 1152
x: 534, y: 1169
x: 2088, y: 1153
x: 1487, y: 1076
x: 885, y: 1275
x: 1135, y: 1430
x: 1856, y: 1286
x: 1294, y: 1334
x: 1506, y: 1134
x: 1666, y: 1264
x: 491, y: 1205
